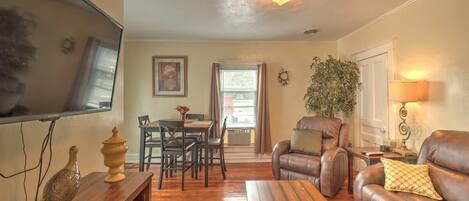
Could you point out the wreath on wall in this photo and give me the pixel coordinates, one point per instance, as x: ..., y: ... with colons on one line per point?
x: 283, y: 77
x: 333, y: 87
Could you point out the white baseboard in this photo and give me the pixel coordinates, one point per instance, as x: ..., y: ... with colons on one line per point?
x: 131, y: 158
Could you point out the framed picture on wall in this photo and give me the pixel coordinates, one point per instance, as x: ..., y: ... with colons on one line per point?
x: 170, y: 76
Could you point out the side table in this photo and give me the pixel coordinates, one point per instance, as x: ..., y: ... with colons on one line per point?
x: 136, y: 186
x: 371, y: 160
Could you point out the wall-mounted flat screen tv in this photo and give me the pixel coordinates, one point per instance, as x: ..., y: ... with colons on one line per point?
x: 57, y: 58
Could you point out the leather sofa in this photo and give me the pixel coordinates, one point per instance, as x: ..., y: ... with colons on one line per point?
x: 328, y: 171
x: 446, y: 153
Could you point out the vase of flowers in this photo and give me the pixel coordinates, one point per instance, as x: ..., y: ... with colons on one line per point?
x: 182, y: 109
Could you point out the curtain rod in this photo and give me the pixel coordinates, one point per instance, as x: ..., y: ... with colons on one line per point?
x: 239, y: 62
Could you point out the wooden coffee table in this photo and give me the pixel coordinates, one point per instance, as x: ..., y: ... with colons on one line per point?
x: 136, y: 186
x: 283, y: 190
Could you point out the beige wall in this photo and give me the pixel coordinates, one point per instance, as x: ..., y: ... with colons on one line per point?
x: 431, y: 43
x: 286, y: 103
x: 85, y: 131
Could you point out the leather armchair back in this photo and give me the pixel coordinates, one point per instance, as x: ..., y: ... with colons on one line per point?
x: 335, y: 133
x: 446, y: 153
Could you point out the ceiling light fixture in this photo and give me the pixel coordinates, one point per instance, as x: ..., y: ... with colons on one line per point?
x: 311, y: 31
x: 281, y: 2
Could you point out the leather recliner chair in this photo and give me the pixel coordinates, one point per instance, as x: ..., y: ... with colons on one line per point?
x: 447, y: 155
x: 328, y: 171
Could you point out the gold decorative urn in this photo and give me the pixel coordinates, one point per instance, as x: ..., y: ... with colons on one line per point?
x: 114, y: 150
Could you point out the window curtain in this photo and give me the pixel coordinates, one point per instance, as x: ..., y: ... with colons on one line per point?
x: 263, y: 142
x: 215, y: 112
x: 81, y: 87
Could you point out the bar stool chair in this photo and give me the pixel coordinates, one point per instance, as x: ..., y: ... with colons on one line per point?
x: 174, y: 147
x: 219, y: 144
x: 150, y: 141
x: 197, y: 136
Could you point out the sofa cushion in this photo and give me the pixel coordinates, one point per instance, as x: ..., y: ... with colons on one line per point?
x: 305, y: 164
x: 306, y: 141
x: 403, y: 177
x: 375, y: 192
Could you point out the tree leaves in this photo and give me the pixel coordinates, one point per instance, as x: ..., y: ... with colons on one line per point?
x: 16, y: 51
x: 333, y: 87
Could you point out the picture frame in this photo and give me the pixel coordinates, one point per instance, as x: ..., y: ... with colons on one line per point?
x: 169, y: 76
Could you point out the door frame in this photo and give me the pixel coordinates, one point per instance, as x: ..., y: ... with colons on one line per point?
x: 387, y: 48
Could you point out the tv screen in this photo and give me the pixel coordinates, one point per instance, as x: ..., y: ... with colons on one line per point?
x: 57, y: 58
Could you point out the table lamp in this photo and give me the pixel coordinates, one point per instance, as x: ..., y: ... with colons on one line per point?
x: 407, y: 91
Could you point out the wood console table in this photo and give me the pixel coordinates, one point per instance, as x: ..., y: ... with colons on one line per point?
x: 371, y: 160
x: 135, y: 187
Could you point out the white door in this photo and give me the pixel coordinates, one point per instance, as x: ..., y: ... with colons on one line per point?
x: 373, y: 99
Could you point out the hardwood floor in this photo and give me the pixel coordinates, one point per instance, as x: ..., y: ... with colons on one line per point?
x: 231, y: 189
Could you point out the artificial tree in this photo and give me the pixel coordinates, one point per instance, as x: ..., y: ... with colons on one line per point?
x: 333, y: 87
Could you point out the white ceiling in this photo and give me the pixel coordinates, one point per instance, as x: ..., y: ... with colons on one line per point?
x: 249, y: 19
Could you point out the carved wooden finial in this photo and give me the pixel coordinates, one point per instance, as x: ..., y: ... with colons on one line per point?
x: 115, y: 131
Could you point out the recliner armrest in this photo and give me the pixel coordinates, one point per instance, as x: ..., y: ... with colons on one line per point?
x: 373, y: 174
x: 280, y: 148
x: 333, y: 171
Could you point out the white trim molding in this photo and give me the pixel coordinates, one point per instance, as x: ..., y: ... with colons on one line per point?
x: 400, y: 7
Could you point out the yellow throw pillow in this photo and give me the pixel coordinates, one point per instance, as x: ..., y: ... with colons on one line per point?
x: 403, y: 177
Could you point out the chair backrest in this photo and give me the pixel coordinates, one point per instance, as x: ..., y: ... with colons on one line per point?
x: 223, y: 129
x: 143, y: 120
x: 446, y: 153
x: 335, y: 133
x: 168, y: 131
x: 199, y: 117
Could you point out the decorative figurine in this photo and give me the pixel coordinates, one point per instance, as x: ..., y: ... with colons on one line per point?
x: 114, y: 150
x: 63, y: 186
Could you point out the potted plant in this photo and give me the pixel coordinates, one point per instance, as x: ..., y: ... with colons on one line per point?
x: 16, y: 52
x: 333, y: 87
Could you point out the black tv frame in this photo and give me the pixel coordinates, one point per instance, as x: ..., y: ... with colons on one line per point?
x: 52, y: 116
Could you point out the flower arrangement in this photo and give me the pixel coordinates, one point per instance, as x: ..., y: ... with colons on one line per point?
x: 182, y: 109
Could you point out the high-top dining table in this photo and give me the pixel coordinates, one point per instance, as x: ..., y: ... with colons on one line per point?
x: 190, y: 127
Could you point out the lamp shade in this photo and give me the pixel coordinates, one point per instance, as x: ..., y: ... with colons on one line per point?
x: 405, y: 91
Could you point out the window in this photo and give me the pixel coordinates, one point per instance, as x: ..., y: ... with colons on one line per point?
x: 238, y: 90
x: 102, y: 77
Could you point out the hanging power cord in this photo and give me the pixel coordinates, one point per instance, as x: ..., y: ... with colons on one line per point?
x: 44, y: 147
x: 25, y: 162
x: 46, y: 143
